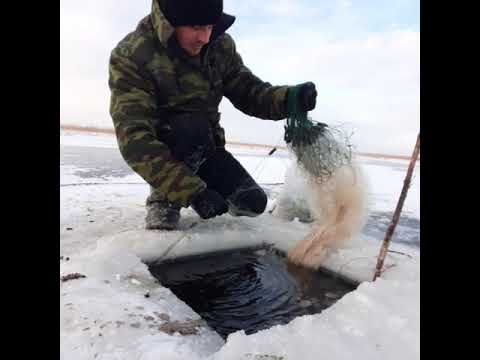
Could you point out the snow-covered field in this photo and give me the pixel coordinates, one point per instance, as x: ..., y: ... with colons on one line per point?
x: 107, y: 315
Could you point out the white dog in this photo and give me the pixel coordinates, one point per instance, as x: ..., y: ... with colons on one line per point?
x: 338, y: 208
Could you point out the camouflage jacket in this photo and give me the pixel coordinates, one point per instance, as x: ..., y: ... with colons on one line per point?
x: 151, y: 77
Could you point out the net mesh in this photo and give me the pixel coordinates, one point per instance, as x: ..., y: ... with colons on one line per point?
x: 318, y: 148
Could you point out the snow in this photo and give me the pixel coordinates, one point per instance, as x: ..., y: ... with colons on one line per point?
x: 387, y: 182
x: 90, y: 139
x: 108, y: 244
x: 270, y: 170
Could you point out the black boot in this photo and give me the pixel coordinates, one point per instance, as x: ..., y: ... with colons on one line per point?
x: 162, y: 216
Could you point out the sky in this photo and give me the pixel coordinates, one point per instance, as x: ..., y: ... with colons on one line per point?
x: 362, y: 55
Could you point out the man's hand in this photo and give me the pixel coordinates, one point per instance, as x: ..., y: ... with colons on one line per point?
x: 209, y: 204
x: 307, y: 96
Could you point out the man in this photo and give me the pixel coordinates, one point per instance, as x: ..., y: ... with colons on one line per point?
x: 167, y: 79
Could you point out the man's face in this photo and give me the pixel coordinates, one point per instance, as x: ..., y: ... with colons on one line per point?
x: 193, y: 38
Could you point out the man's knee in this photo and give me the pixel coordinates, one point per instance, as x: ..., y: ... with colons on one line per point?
x: 248, y: 202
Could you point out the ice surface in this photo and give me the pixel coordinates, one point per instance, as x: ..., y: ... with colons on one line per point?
x: 107, y: 315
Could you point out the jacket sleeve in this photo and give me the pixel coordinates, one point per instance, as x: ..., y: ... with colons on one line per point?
x: 133, y: 110
x: 246, y: 91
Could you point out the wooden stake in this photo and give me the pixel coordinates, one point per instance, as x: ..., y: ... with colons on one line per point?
x: 398, y: 210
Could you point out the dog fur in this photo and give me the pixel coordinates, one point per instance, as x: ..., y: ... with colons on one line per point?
x: 339, y: 209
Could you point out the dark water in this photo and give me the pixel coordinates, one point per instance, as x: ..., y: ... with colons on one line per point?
x: 249, y: 290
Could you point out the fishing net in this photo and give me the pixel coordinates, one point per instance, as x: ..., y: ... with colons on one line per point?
x: 318, y: 148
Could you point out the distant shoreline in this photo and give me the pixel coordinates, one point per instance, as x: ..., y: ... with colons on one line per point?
x: 90, y: 129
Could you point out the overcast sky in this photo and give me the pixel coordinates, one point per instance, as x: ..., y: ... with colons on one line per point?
x: 363, y: 56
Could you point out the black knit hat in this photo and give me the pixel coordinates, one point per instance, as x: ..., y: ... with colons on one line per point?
x: 193, y: 12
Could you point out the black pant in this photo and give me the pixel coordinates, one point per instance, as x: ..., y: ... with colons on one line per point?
x: 191, y: 141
